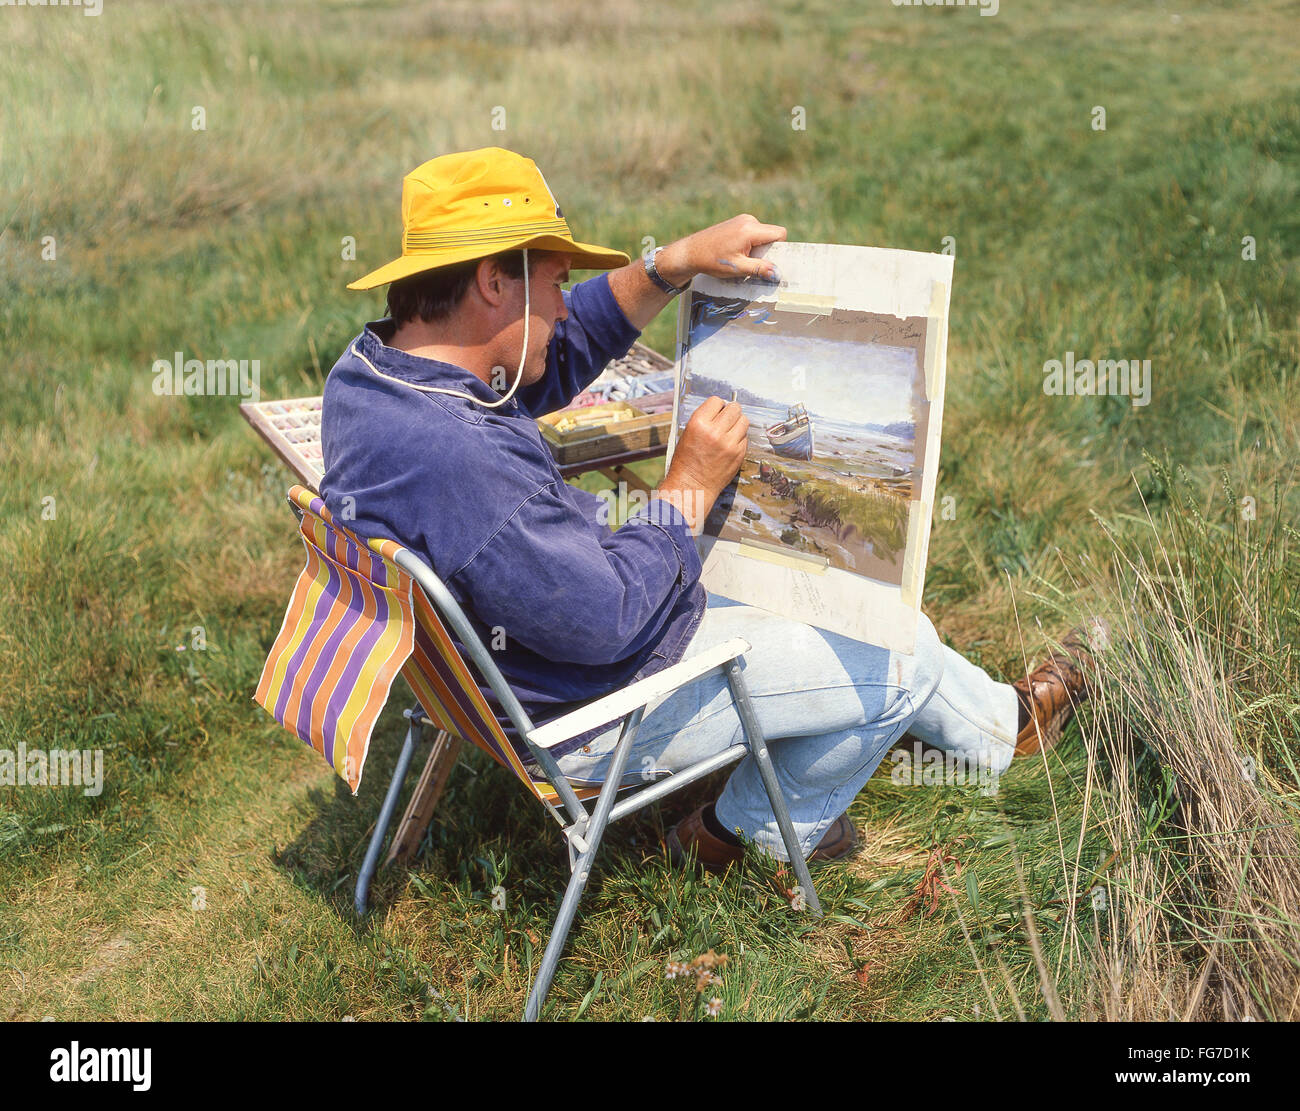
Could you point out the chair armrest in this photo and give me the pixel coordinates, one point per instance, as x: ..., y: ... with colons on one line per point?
x: 616, y: 706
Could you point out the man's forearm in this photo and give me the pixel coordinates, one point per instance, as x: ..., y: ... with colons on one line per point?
x: 639, y: 298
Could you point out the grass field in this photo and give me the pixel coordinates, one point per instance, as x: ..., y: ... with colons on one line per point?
x: 1146, y: 869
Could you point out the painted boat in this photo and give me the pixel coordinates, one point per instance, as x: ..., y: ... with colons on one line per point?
x: 793, y: 437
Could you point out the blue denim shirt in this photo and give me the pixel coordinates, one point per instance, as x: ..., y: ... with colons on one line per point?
x: 583, y: 611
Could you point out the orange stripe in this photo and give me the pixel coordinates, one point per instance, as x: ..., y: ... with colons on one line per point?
x: 447, y: 649
x: 343, y: 655
x: 338, y: 610
x: 452, y: 658
x: 415, y: 678
x: 491, y: 729
x: 466, y: 727
x: 378, y: 692
x: 308, y: 590
x: 310, y: 638
x: 285, y: 638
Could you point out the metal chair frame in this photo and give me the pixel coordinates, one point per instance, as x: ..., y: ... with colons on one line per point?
x: 584, y: 829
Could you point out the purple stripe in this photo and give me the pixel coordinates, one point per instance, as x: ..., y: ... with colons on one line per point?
x: 378, y: 573
x: 352, y: 672
x: 324, y: 603
x: 353, y: 551
x: 348, y: 556
x: 458, y: 693
x: 311, y: 686
x: 450, y: 678
x: 356, y: 608
x: 352, y: 555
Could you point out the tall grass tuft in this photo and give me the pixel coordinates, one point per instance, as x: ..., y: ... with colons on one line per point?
x: 1196, y: 911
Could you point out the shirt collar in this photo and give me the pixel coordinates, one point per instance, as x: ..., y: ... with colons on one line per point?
x: 418, y: 370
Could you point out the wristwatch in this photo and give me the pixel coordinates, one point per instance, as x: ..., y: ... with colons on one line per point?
x: 653, y: 274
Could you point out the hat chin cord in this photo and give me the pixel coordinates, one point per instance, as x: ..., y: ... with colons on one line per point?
x: 519, y: 374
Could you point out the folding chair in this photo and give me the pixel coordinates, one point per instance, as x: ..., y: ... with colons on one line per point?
x: 344, y: 586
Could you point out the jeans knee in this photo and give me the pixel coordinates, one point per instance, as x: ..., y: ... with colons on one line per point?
x: 928, y: 662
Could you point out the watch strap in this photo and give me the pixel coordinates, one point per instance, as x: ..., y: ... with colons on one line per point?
x: 653, y: 273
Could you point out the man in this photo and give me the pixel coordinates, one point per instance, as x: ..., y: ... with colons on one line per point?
x: 430, y: 439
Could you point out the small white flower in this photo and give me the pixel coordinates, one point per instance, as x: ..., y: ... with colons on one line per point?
x: 713, y: 1007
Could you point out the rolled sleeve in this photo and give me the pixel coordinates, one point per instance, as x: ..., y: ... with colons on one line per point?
x: 666, y: 517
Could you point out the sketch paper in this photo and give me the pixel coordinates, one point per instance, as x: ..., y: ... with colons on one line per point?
x: 839, y: 367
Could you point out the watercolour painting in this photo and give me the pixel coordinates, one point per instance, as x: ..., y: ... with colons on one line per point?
x: 839, y: 366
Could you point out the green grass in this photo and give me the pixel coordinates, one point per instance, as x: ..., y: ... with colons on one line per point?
x: 655, y: 120
x: 878, y: 517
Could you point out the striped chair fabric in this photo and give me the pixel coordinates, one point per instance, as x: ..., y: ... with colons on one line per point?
x: 355, y: 621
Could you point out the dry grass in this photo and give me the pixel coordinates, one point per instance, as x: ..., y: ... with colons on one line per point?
x: 1199, y: 896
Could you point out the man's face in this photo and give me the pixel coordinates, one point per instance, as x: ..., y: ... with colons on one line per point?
x: 546, y: 307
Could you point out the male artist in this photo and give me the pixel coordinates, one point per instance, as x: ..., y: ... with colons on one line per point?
x: 430, y: 439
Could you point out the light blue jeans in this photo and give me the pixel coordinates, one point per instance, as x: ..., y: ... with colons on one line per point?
x: 830, y: 707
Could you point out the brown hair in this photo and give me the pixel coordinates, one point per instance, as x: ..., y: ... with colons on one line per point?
x: 434, y: 294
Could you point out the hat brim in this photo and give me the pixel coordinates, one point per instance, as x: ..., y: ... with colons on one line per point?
x: 582, y: 256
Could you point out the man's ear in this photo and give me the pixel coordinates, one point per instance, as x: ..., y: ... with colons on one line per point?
x: 489, y: 280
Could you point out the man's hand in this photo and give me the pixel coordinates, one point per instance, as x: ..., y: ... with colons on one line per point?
x: 721, y: 251
x: 708, y: 455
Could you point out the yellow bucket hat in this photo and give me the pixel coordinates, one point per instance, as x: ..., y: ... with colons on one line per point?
x: 465, y: 206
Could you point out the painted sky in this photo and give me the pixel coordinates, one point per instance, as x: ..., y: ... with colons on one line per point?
x: 847, y: 381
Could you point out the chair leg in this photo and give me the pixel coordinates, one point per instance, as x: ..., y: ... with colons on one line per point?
x: 385, y: 816
x: 582, y: 868
x: 758, y: 745
x: 559, y: 935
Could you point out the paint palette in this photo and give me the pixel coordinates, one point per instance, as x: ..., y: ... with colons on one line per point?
x: 292, y: 428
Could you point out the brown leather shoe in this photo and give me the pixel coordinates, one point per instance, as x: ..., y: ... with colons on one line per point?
x: 837, y: 842
x: 715, y: 855
x: 1058, y: 687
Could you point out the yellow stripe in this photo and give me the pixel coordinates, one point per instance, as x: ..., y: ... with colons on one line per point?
x: 301, y: 626
x: 388, y: 644
x: 427, y: 699
x: 273, y: 674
